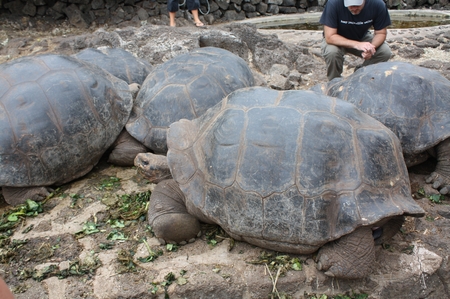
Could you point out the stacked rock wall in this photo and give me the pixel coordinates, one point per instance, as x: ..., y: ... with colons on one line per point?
x: 82, y: 13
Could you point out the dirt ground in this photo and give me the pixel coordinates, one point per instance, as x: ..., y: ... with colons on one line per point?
x: 91, y: 240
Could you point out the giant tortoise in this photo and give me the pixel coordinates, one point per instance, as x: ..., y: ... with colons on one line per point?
x: 119, y: 62
x: 291, y: 171
x: 58, y: 115
x: 413, y: 101
x: 183, y: 87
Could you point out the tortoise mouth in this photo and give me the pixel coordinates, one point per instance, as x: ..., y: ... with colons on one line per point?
x: 154, y: 176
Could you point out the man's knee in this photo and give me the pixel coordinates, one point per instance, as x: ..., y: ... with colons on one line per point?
x: 331, y: 52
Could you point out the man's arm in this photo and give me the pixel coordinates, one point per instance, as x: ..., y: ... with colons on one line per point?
x: 379, y: 37
x: 333, y: 38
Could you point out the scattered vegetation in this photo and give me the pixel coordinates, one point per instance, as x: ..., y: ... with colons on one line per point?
x: 10, y: 220
x: 76, y: 268
x: 152, y: 255
x: 89, y: 228
x: 116, y: 225
x: 126, y: 260
x: 9, y: 249
x: 119, y: 225
x: 106, y: 246
x: 276, y: 261
x: 111, y: 183
x: 214, y: 234
x: 351, y: 296
x: 407, y: 250
x: 172, y: 247
x: 277, y: 265
x: 434, y: 198
x: 131, y: 206
x: 125, y: 211
x: 74, y: 199
x: 168, y: 280
x: 429, y: 218
x: 16, y: 216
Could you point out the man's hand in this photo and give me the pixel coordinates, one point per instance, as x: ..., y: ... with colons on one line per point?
x: 367, y: 55
x: 367, y: 49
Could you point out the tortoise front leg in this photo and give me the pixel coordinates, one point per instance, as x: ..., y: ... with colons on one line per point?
x: 440, y: 177
x: 350, y: 257
x: 168, y: 216
x: 125, y: 149
x: 19, y: 195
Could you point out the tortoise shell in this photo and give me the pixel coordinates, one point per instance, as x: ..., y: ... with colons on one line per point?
x: 184, y: 87
x: 58, y: 115
x: 118, y: 62
x: 412, y: 101
x: 289, y: 170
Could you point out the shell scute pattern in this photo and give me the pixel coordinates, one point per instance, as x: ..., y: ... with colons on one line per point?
x: 184, y: 88
x: 293, y: 168
x: 58, y: 115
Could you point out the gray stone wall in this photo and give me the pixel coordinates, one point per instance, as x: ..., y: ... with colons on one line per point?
x: 82, y: 13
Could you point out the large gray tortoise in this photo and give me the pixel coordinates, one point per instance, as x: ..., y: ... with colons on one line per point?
x: 133, y: 70
x: 183, y: 87
x: 290, y: 171
x: 413, y: 101
x: 58, y: 115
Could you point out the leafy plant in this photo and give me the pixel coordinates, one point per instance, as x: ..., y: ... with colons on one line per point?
x: 9, y: 249
x: 277, y: 265
x: 110, y: 183
x: 15, y: 216
x: 172, y: 247
x: 429, y: 218
x: 126, y: 261
x: 89, y: 228
x: 152, y: 255
x: 352, y: 296
x: 168, y: 280
x: 215, y: 234
x: 131, y: 206
x: 436, y: 198
x: 275, y: 261
x: 115, y: 223
x: 115, y: 235
x: 154, y: 288
x: 106, y: 246
x: 76, y: 268
x: 29, y: 209
x: 74, y: 199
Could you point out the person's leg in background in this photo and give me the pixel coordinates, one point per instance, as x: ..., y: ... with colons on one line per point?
x: 334, y: 59
x: 193, y: 6
x: 172, y: 7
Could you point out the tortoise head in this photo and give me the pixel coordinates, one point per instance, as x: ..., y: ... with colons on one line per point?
x: 153, y: 167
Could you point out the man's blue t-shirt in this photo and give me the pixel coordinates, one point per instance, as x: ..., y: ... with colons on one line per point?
x: 354, y: 27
